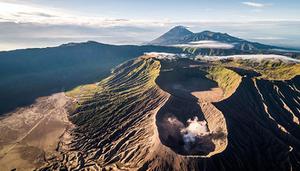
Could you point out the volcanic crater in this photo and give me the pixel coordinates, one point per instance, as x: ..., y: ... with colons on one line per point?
x: 188, y: 123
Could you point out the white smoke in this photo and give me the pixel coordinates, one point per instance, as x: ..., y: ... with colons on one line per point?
x: 195, y: 128
x: 194, y: 131
x: 174, y: 121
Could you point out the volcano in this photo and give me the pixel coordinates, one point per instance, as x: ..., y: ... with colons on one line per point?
x: 162, y: 112
x: 180, y: 36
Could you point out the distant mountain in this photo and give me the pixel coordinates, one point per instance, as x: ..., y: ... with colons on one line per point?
x: 175, y: 36
x: 181, y: 35
x: 30, y: 73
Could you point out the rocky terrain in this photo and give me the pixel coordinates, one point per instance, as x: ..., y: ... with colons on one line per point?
x: 156, y: 113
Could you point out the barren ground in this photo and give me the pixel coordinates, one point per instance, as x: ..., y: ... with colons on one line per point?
x: 31, y: 134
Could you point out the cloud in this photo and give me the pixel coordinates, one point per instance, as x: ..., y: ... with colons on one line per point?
x: 269, y: 38
x: 19, y: 22
x: 10, y: 11
x: 25, y: 13
x: 25, y: 35
x: 40, y: 14
x: 15, y: 35
x: 254, y: 4
x: 207, y: 44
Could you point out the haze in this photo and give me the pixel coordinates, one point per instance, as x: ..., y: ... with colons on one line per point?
x: 34, y: 23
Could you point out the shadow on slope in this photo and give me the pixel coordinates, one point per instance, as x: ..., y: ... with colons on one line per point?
x: 181, y: 122
x: 30, y: 73
x: 262, y: 134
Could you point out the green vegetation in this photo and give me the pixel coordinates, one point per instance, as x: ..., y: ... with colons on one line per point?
x: 84, y: 92
x: 285, y: 72
x: 129, y: 84
x: 269, y: 69
x: 227, y: 79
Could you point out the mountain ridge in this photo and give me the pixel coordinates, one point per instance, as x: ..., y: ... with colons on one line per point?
x: 54, y: 69
x: 126, y: 130
x: 171, y: 39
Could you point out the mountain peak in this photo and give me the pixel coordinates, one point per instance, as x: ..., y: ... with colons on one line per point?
x: 180, y: 29
x: 177, y: 32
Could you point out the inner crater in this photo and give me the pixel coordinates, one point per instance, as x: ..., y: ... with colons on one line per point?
x: 189, y: 123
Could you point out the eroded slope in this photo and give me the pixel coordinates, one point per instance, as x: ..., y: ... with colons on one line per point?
x: 117, y: 120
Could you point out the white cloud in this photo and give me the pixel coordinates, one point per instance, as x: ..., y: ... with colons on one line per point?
x: 269, y: 38
x: 19, y: 21
x: 254, y: 4
x: 10, y: 11
x: 207, y: 44
x: 24, y: 13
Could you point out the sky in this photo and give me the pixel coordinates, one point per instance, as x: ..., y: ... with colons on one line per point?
x: 42, y: 23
